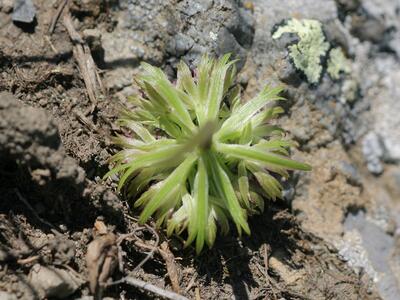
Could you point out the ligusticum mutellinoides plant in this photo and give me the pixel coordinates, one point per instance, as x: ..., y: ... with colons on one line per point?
x: 194, y: 155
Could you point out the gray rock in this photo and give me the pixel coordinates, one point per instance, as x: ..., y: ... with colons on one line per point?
x: 372, y: 149
x: 377, y: 108
x: 24, y: 11
x: 221, y: 26
x: 336, y: 99
x: 368, y: 28
x: 180, y: 44
x: 288, y: 74
x: 335, y: 31
x: 289, y: 187
x: 350, y: 172
x: 366, y: 246
x: 379, y: 93
x: 143, y: 31
x: 164, y: 32
x: 353, y: 252
x: 228, y: 44
x: 385, y: 10
x: 385, y: 110
x: 196, y: 7
x: 379, y: 23
x: 348, y: 5
x: 53, y: 282
x: 396, y: 181
x: 288, y: 193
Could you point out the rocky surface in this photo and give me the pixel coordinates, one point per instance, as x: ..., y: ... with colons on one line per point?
x: 163, y: 32
x: 359, y: 112
x: 29, y: 136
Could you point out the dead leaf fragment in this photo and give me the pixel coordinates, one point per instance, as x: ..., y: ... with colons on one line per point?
x: 172, y: 268
x: 101, y: 260
x: 100, y: 227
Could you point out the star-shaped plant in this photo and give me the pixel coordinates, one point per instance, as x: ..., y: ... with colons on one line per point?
x: 196, y: 156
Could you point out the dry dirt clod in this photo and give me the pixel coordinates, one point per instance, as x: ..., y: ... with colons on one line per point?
x: 4, y: 255
x: 53, y: 282
x: 7, y: 6
x: 288, y: 275
x: 101, y: 259
x: 7, y: 296
x: 63, y: 249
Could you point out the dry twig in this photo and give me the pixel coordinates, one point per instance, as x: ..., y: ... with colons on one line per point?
x: 57, y: 15
x: 165, y: 253
x: 85, y: 61
x: 197, y: 293
x: 150, y: 288
x: 48, y: 40
x: 140, y: 244
x: 265, y: 255
x: 191, y: 283
x: 28, y: 260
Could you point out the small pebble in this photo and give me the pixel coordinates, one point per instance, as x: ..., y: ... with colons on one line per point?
x: 24, y: 11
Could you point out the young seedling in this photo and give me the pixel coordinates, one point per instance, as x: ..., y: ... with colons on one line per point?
x: 197, y: 156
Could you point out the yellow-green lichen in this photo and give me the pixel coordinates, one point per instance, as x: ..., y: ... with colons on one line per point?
x: 337, y: 63
x: 307, y: 53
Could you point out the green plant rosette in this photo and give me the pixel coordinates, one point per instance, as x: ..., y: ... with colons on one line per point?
x: 196, y: 156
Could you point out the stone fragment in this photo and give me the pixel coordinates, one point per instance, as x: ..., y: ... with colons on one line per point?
x: 180, y: 44
x: 372, y: 149
x: 24, y: 11
x: 53, y: 282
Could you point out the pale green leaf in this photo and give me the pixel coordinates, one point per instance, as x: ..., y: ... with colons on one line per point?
x: 253, y: 154
x: 244, y: 114
x: 200, y: 194
x: 165, y: 155
x: 244, y: 186
x: 216, y: 86
x: 168, y: 92
x: 227, y: 194
x: 177, y: 178
x: 270, y: 185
